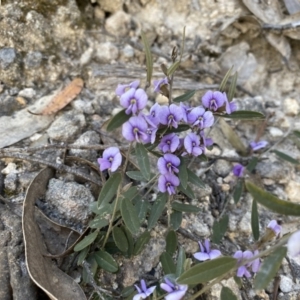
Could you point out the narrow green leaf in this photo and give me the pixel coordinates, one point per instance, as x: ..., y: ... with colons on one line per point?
x: 272, y: 202
x: 93, y: 267
x: 82, y: 255
x: 269, y: 268
x: 188, y: 191
x: 149, y: 61
x: 227, y: 294
x: 102, y: 210
x: 117, y: 120
x: 185, y: 207
x: 131, y: 193
x: 194, y: 179
x: 129, y: 215
x: 143, y: 160
x: 173, y: 68
x: 136, y: 175
x: 165, y: 130
x: 176, y: 219
x: 89, y: 239
x: 171, y: 242
x: 232, y: 87
x: 185, y: 97
x: 255, y: 220
x: 225, y: 79
x: 244, y: 115
x: 157, y: 209
x: 207, y: 271
x: 219, y: 229
x: 296, y: 133
x: 167, y: 263
x: 142, y: 208
x: 106, y: 261
x: 129, y: 240
x: 252, y: 164
x: 120, y: 239
x: 109, y: 189
x: 238, y: 191
x: 142, y: 240
x: 238, y: 281
x: 183, y: 175
x: 98, y: 222
x: 181, y: 257
x: 128, y: 291
x: 286, y: 157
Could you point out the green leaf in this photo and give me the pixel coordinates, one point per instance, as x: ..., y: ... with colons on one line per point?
x: 173, y: 68
x: 82, y: 255
x: 296, y: 133
x: 183, y: 175
x: 238, y: 191
x: 171, y: 242
x: 106, y: 261
x: 129, y: 240
x: 272, y: 202
x: 136, y: 175
x: 167, y: 263
x: 225, y: 79
x: 89, y: 239
x: 157, y: 209
x: 166, y: 130
x: 269, y: 268
x: 244, y: 115
x: 149, y: 61
x: 176, y: 219
x: 129, y: 215
x: 227, y: 294
x: 142, y: 240
x: 207, y: 271
x: 128, y: 291
x: 131, y: 193
x: 185, y: 97
x: 219, y: 229
x: 185, y: 207
x: 188, y: 191
x: 98, y: 222
x: 143, y: 160
x: 117, y: 120
x: 286, y: 157
x: 252, y: 164
x: 120, y: 239
x: 232, y: 87
x: 255, y: 220
x: 102, y: 210
x: 142, y: 208
x: 194, y: 179
x: 93, y: 267
x: 180, y: 261
x: 109, y: 189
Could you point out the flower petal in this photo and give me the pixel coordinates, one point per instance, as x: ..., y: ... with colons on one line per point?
x: 201, y: 256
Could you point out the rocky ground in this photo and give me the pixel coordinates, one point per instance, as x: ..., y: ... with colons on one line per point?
x: 45, y: 44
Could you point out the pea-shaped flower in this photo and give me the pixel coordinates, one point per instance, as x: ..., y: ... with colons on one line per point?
x: 111, y: 159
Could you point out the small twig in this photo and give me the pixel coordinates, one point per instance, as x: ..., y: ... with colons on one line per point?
x: 60, y: 167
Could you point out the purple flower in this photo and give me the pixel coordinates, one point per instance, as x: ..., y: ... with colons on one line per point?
x: 293, y: 244
x: 169, y: 143
x: 241, y: 256
x: 185, y: 111
x: 213, y: 100
x: 201, y: 118
x: 205, y: 141
x: 167, y: 183
x: 238, y: 170
x: 134, y: 100
x: 229, y: 106
x: 170, y: 115
x: 135, y: 129
x: 175, y: 291
x: 205, y: 252
x: 256, y: 262
x: 168, y: 164
x: 258, y: 145
x: 122, y: 88
x: 111, y: 159
x: 143, y: 292
x: 151, y: 134
x: 275, y: 227
x: 153, y: 118
x: 192, y: 144
x: 158, y: 83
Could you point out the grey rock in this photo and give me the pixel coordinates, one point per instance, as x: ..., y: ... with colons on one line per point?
x: 66, y: 126
x: 87, y: 138
x: 118, y: 24
x: 27, y: 93
x: 111, y: 6
x: 83, y: 106
x: 286, y: 284
x: 33, y: 59
x: 7, y: 57
x: 275, y: 170
x: 70, y: 199
x: 106, y: 52
x: 222, y: 167
x: 128, y: 51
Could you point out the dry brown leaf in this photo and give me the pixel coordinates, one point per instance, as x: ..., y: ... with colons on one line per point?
x: 45, y: 274
x: 64, y: 97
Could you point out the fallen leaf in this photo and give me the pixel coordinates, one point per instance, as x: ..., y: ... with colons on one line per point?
x: 45, y: 274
